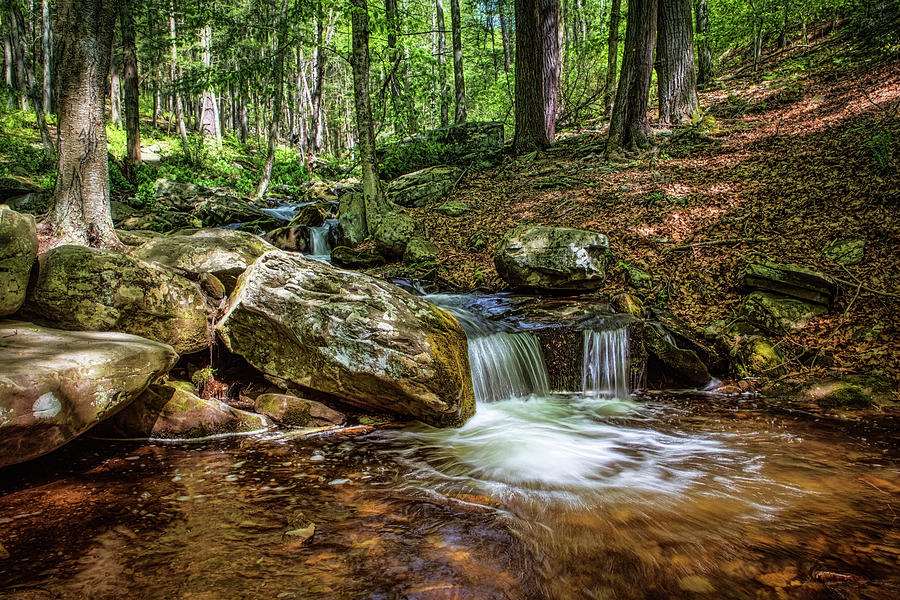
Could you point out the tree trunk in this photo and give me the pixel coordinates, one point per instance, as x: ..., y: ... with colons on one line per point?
x: 443, y: 89
x: 374, y: 199
x: 45, y: 52
x: 394, y: 58
x: 705, y: 71
x: 675, y: 73
x: 132, y: 98
x: 80, y: 212
x: 18, y: 42
x: 459, y: 78
x: 8, y: 62
x: 31, y: 90
x: 324, y: 31
x: 209, y: 109
x: 629, y: 128
x: 279, y: 37
x: 537, y: 73
x: 612, y: 54
x: 504, y: 37
x: 115, y: 86
x: 173, y: 74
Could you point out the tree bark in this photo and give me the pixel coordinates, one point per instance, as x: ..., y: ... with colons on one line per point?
x: 504, y: 37
x: 537, y: 73
x: 705, y: 70
x: 324, y: 31
x: 173, y: 74
x: 132, y: 98
x: 80, y: 212
x: 209, y: 106
x: 45, y: 54
x: 459, y: 78
x: 8, y: 62
x: 629, y: 127
x: 443, y: 88
x: 374, y: 198
x: 612, y: 54
x: 278, y: 37
x: 115, y: 85
x: 675, y: 73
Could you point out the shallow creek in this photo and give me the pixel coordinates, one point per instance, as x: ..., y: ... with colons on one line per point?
x: 546, y: 496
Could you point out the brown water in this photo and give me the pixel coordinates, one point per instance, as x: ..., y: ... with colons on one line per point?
x: 560, y: 498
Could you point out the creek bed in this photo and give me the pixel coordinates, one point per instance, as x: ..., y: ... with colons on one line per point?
x: 555, y: 497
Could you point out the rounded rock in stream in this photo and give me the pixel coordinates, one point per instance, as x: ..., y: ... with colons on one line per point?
x: 360, y: 339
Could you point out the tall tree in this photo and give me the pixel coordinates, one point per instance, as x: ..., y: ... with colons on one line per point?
x: 80, y: 212
x: 278, y: 39
x: 675, y: 73
x: 705, y: 69
x: 173, y: 75
x: 115, y: 86
x: 612, y: 54
x: 132, y: 101
x: 443, y: 96
x: 504, y: 37
x: 374, y: 198
x: 629, y: 128
x: 45, y: 55
x: 459, y: 78
x: 537, y: 73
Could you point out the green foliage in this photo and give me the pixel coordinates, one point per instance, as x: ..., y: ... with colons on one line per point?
x: 20, y: 149
x: 882, y: 147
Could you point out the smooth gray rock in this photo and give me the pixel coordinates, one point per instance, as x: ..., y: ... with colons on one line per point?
x: 224, y: 253
x: 55, y: 385
x: 366, y: 342
x: 18, y: 249
x: 555, y: 258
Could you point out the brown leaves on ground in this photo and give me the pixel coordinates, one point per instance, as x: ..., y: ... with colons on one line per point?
x: 802, y: 157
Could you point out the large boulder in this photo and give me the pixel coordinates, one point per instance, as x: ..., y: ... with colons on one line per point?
x: 293, y: 238
x: 352, y: 219
x: 297, y: 412
x: 555, y: 258
x: 671, y: 365
x: 790, y: 280
x: 776, y: 314
x: 54, y: 385
x: 171, y: 412
x: 210, y: 206
x: 419, y: 251
x: 367, y: 342
x: 88, y: 289
x: 424, y: 187
x: 393, y: 234
x: 477, y: 144
x: 18, y: 249
x: 756, y: 356
x: 225, y: 253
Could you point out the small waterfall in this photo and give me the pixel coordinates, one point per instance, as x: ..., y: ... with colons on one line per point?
x: 318, y: 240
x: 507, y: 365
x: 606, y: 366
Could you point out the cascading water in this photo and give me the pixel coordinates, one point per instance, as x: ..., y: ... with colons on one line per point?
x: 504, y: 365
x: 318, y: 240
x: 606, y: 366
x: 507, y: 365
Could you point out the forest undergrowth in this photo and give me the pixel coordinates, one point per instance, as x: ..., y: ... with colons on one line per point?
x: 799, y: 153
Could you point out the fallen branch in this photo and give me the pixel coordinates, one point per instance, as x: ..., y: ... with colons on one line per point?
x: 725, y: 242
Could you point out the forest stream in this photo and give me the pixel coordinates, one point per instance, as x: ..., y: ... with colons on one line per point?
x: 595, y: 493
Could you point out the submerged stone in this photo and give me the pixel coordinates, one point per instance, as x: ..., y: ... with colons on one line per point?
x: 55, y: 385
x: 172, y: 412
x: 364, y: 341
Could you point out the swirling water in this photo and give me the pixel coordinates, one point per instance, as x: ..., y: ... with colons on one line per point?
x: 538, y: 496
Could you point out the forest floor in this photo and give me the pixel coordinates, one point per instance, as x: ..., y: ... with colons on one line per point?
x: 803, y: 151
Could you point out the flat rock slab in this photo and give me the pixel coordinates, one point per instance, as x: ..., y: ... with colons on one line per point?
x: 55, y: 385
x: 790, y: 280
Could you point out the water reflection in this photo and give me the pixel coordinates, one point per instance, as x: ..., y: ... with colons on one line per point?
x: 544, y: 497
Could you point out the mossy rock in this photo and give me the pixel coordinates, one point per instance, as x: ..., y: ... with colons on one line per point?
x: 777, y: 314
x: 18, y: 249
x: 846, y: 251
x: 756, y: 356
x: 356, y: 258
x: 420, y: 251
x: 846, y: 396
x: 393, y: 234
x: 297, y: 412
x: 678, y: 366
x: 628, y: 304
x: 453, y: 208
